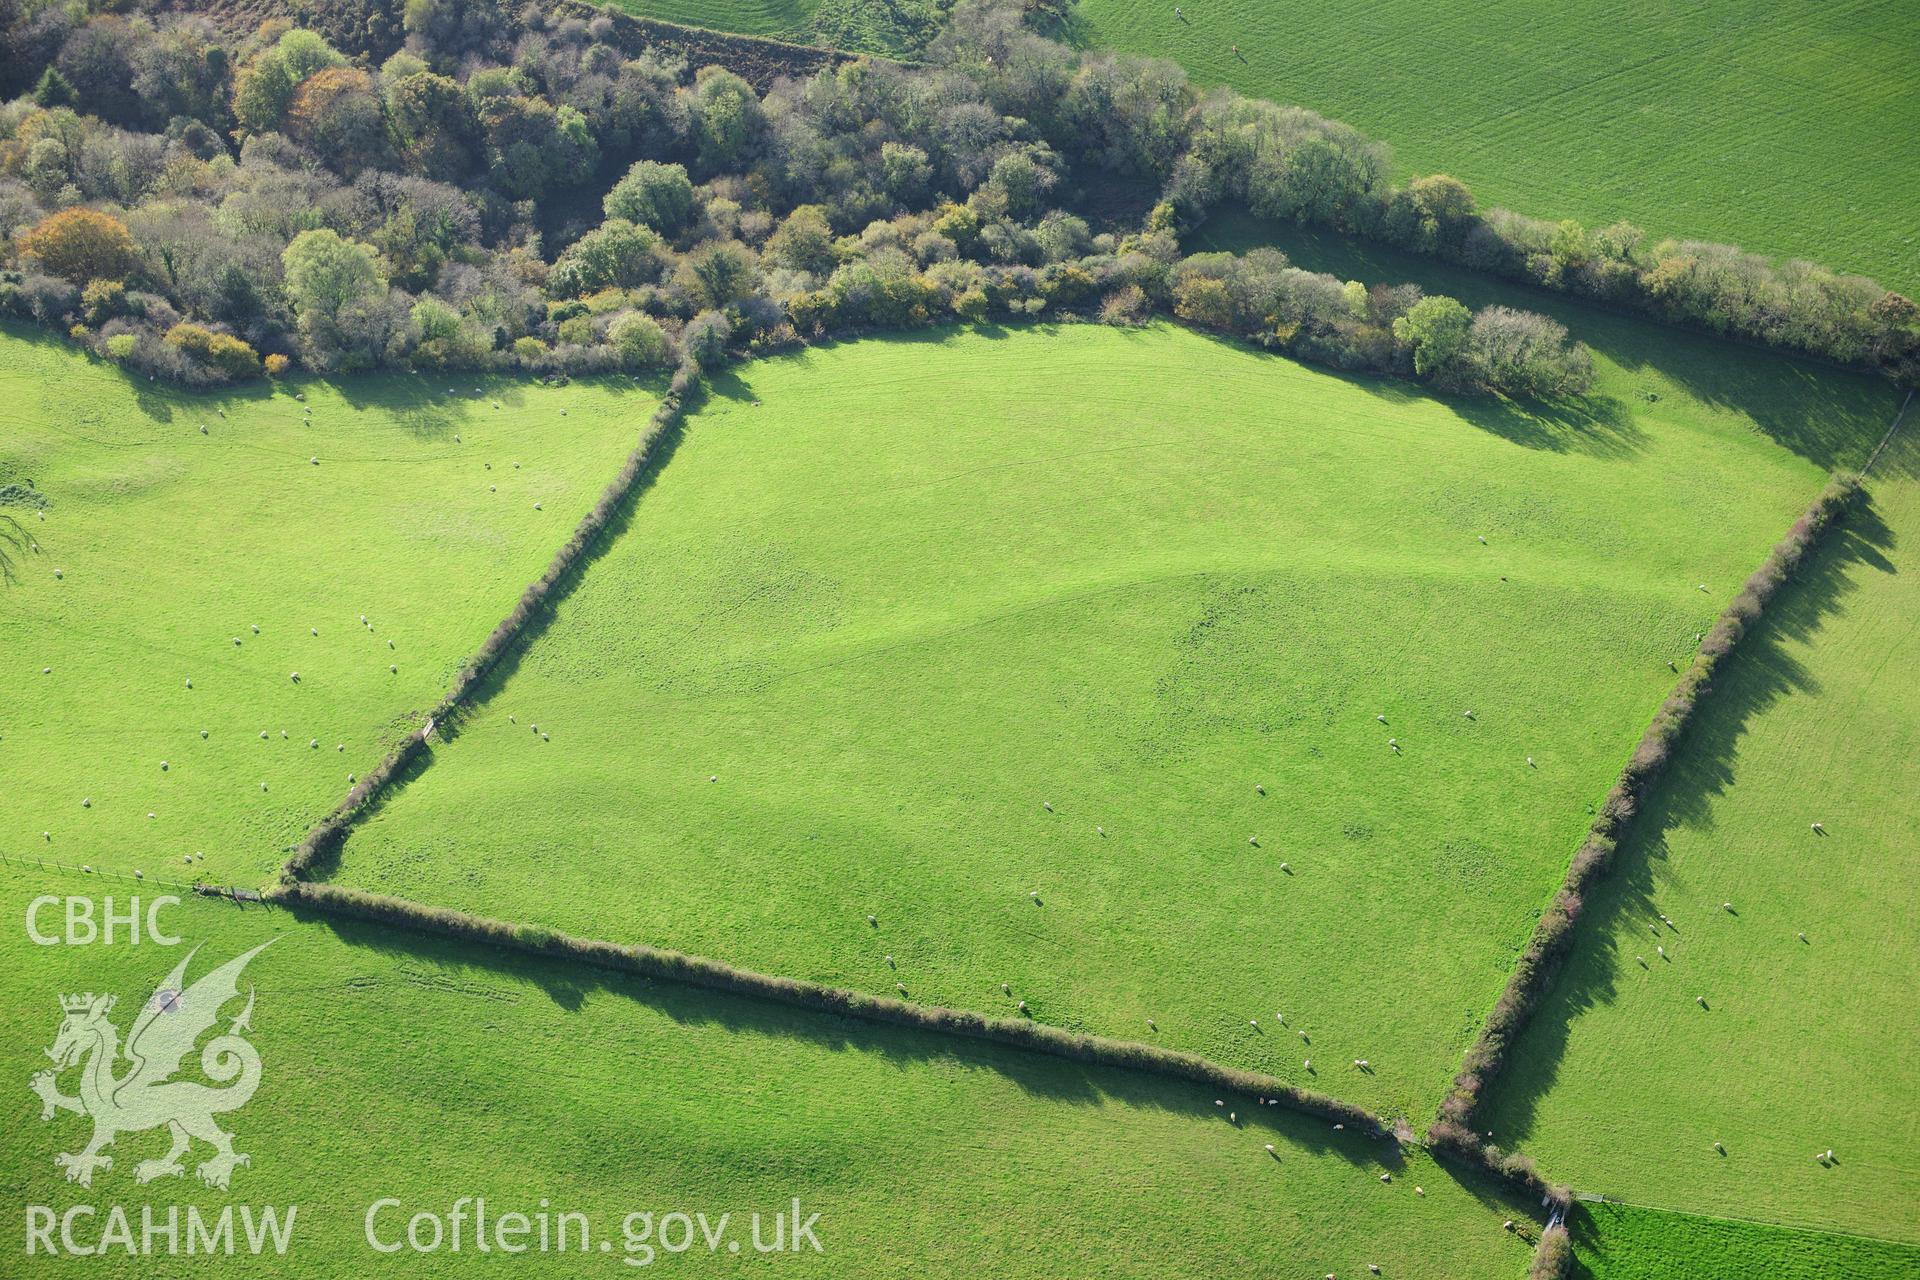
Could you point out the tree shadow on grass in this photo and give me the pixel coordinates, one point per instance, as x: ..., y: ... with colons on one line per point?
x: 1829, y: 415
x: 1705, y: 765
x: 570, y: 983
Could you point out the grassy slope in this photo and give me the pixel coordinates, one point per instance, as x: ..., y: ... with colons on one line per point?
x: 1777, y: 126
x: 172, y: 543
x: 1624, y: 1082
x: 778, y: 19
x: 425, y: 1072
x: 1621, y: 1242
x: 896, y: 594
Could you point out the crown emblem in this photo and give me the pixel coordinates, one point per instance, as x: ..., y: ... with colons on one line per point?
x: 82, y: 1003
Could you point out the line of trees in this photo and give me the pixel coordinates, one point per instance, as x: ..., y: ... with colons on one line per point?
x: 519, y: 192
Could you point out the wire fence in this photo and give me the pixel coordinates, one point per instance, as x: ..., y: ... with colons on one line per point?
x: 204, y: 888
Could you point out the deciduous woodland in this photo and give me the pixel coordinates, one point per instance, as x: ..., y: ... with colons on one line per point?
x: 518, y: 192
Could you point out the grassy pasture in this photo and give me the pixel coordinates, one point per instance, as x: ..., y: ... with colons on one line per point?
x: 895, y: 595
x: 1622, y: 1242
x: 777, y: 19
x: 171, y: 544
x: 399, y: 1067
x: 1781, y: 127
x: 1623, y: 1083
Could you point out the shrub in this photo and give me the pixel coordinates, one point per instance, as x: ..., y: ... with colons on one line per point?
x: 120, y: 346
x: 530, y: 351
x: 1436, y: 330
x: 706, y: 337
x: 277, y: 365
x: 641, y: 342
x: 653, y: 194
x: 222, y: 352
x: 1553, y: 1256
x: 80, y: 245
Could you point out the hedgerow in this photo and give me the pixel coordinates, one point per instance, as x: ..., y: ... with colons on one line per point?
x: 652, y: 962
x: 1552, y: 936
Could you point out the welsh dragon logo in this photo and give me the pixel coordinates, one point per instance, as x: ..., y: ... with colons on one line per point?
x: 144, y: 1095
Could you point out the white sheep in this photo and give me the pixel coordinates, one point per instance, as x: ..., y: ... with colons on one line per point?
x: 1820, y: 827
x: 203, y: 735
x: 1270, y: 1148
x: 1101, y: 830
x: 1023, y: 1006
x: 872, y: 921
x: 313, y: 631
x: 1254, y: 841
x: 1701, y: 1001
x: 1258, y: 789
x: 1308, y: 1064
x: 1047, y: 805
x: 87, y: 802
x: 1482, y: 537
x: 1726, y: 906
x: 294, y: 676
x: 59, y: 573
x: 189, y: 682
x: 1286, y: 868
x: 1381, y: 719
x: 256, y: 628
x: 163, y: 766
x: 1531, y: 764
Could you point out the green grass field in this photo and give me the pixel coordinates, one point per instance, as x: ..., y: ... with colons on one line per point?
x: 1623, y: 1082
x: 892, y: 597
x: 1621, y: 1242
x: 1780, y: 127
x: 399, y: 1067
x: 776, y: 19
x: 170, y: 545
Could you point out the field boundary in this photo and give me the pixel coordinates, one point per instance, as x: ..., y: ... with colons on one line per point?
x: 1887, y: 439
x: 1552, y: 936
x: 327, y: 834
x: 716, y: 975
x: 1770, y: 1224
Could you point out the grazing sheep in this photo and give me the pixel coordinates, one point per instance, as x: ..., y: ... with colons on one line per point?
x: 59, y: 573
x: 1482, y: 537
x: 890, y: 963
x: 1373, y: 1268
x: 256, y: 628
x: 1023, y: 1006
x: 1662, y: 951
x: 236, y: 642
x: 1821, y: 827
x: 149, y: 817
x: 1420, y: 1191
x: 1270, y: 1148
x: 1703, y: 586
x: 1381, y: 719
x: 902, y: 986
x: 1233, y: 1117
x: 1101, y: 830
x: 1717, y: 1147
x: 1726, y: 906
x: 1254, y: 1023
x: 46, y: 835
x: 1280, y: 1018
x: 1308, y: 1064
x: 1286, y: 868
x: 389, y: 644
x: 1701, y: 1001
x: 1386, y: 1177
x: 1258, y: 789
x: 87, y: 803
x: 263, y: 786
x: 203, y: 428
x: 350, y: 779
x: 203, y: 735
x: 1254, y: 841
x: 1507, y: 1225
x: 1035, y: 895
x: 294, y: 676
x: 1047, y: 805
x: 163, y: 766
x: 313, y: 744
x: 1802, y: 937
x: 1152, y: 1025
x: 1338, y: 1127
x: 392, y: 670
x: 314, y: 461
x: 870, y: 920
x: 1219, y: 1102
x: 313, y: 631
x: 1641, y: 961
x: 1467, y: 715
x: 1006, y: 989
x: 536, y: 506
x: 1531, y: 764
x: 263, y: 735
x: 46, y: 671
x: 283, y: 733
x: 139, y: 875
